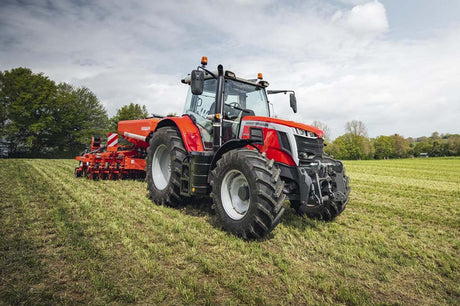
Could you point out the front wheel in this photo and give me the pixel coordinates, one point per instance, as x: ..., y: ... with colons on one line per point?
x: 330, y: 208
x: 247, y: 193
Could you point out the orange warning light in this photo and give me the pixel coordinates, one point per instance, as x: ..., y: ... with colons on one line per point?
x: 204, y: 60
x: 259, y: 76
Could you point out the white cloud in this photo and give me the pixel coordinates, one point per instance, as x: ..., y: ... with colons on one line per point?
x: 367, y: 19
x: 340, y: 59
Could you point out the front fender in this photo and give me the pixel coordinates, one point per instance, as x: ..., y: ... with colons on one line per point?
x: 231, y: 145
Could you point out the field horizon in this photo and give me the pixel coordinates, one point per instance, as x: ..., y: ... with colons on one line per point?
x: 68, y: 240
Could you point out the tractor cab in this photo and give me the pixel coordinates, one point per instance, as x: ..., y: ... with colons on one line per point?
x: 218, y: 100
x: 240, y: 98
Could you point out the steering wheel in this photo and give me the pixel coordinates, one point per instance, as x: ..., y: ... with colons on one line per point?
x: 235, y: 104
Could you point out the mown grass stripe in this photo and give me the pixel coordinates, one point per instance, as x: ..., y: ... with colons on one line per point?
x: 104, y: 242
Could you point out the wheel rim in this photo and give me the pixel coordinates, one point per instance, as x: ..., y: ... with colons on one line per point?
x: 235, y: 194
x: 161, y: 167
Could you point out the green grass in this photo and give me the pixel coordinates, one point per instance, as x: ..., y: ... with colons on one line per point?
x: 72, y: 241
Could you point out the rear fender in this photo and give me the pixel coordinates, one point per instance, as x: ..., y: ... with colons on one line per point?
x: 190, y: 134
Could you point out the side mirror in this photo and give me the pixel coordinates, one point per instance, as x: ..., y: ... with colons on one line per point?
x: 197, y: 82
x: 293, y: 102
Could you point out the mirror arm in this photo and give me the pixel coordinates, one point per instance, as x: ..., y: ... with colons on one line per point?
x: 292, y: 98
x: 208, y: 71
x: 272, y: 92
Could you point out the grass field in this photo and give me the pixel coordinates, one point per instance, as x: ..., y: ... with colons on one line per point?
x: 73, y: 241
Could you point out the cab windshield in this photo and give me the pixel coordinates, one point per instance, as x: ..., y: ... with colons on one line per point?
x: 240, y: 99
x: 237, y: 95
x: 246, y: 96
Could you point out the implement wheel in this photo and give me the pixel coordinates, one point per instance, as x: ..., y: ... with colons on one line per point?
x: 247, y: 193
x: 165, y: 155
x: 78, y: 172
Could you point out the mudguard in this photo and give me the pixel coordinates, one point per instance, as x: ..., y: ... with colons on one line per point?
x: 139, y: 132
x: 189, y: 131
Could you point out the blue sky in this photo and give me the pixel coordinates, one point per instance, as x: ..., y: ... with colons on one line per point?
x: 394, y: 65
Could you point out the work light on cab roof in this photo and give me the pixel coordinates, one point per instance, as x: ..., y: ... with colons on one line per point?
x: 204, y: 61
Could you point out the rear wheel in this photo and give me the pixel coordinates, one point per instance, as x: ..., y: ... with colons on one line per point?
x: 165, y: 155
x: 247, y: 193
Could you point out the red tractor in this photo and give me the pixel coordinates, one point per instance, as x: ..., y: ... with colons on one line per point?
x: 227, y: 146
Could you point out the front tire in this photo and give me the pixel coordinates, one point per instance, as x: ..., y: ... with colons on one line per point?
x: 247, y: 193
x: 329, y: 209
x: 164, y: 159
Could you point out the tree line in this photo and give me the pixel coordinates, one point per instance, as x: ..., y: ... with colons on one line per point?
x: 42, y: 118
x: 355, y: 144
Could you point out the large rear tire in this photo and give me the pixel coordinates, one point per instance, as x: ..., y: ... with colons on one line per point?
x: 164, y: 159
x: 247, y: 193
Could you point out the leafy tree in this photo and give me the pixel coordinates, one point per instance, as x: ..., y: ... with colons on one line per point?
x: 28, y: 105
x: 436, y: 148
x: 332, y: 149
x: 384, y: 147
x: 435, y: 135
x: 128, y: 112
x: 40, y: 118
x: 453, y: 145
x: 3, y: 107
x: 422, y: 147
x: 80, y: 116
x: 354, y: 144
x: 350, y: 146
x: 400, y: 145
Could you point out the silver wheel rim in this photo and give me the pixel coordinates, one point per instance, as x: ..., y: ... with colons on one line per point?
x: 235, y: 194
x: 161, y: 167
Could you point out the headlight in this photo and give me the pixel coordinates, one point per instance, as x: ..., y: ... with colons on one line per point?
x: 299, y: 132
x: 304, y: 133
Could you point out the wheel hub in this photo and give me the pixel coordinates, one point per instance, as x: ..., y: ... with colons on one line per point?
x: 161, y: 167
x: 243, y: 193
x: 235, y: 194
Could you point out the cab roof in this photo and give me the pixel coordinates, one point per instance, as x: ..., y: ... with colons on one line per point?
x: 229, y: 75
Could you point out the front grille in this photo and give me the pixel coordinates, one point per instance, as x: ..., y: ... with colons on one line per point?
x: 309, y: 147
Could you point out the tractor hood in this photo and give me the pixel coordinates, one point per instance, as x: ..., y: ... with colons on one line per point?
x: 293, y: 124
